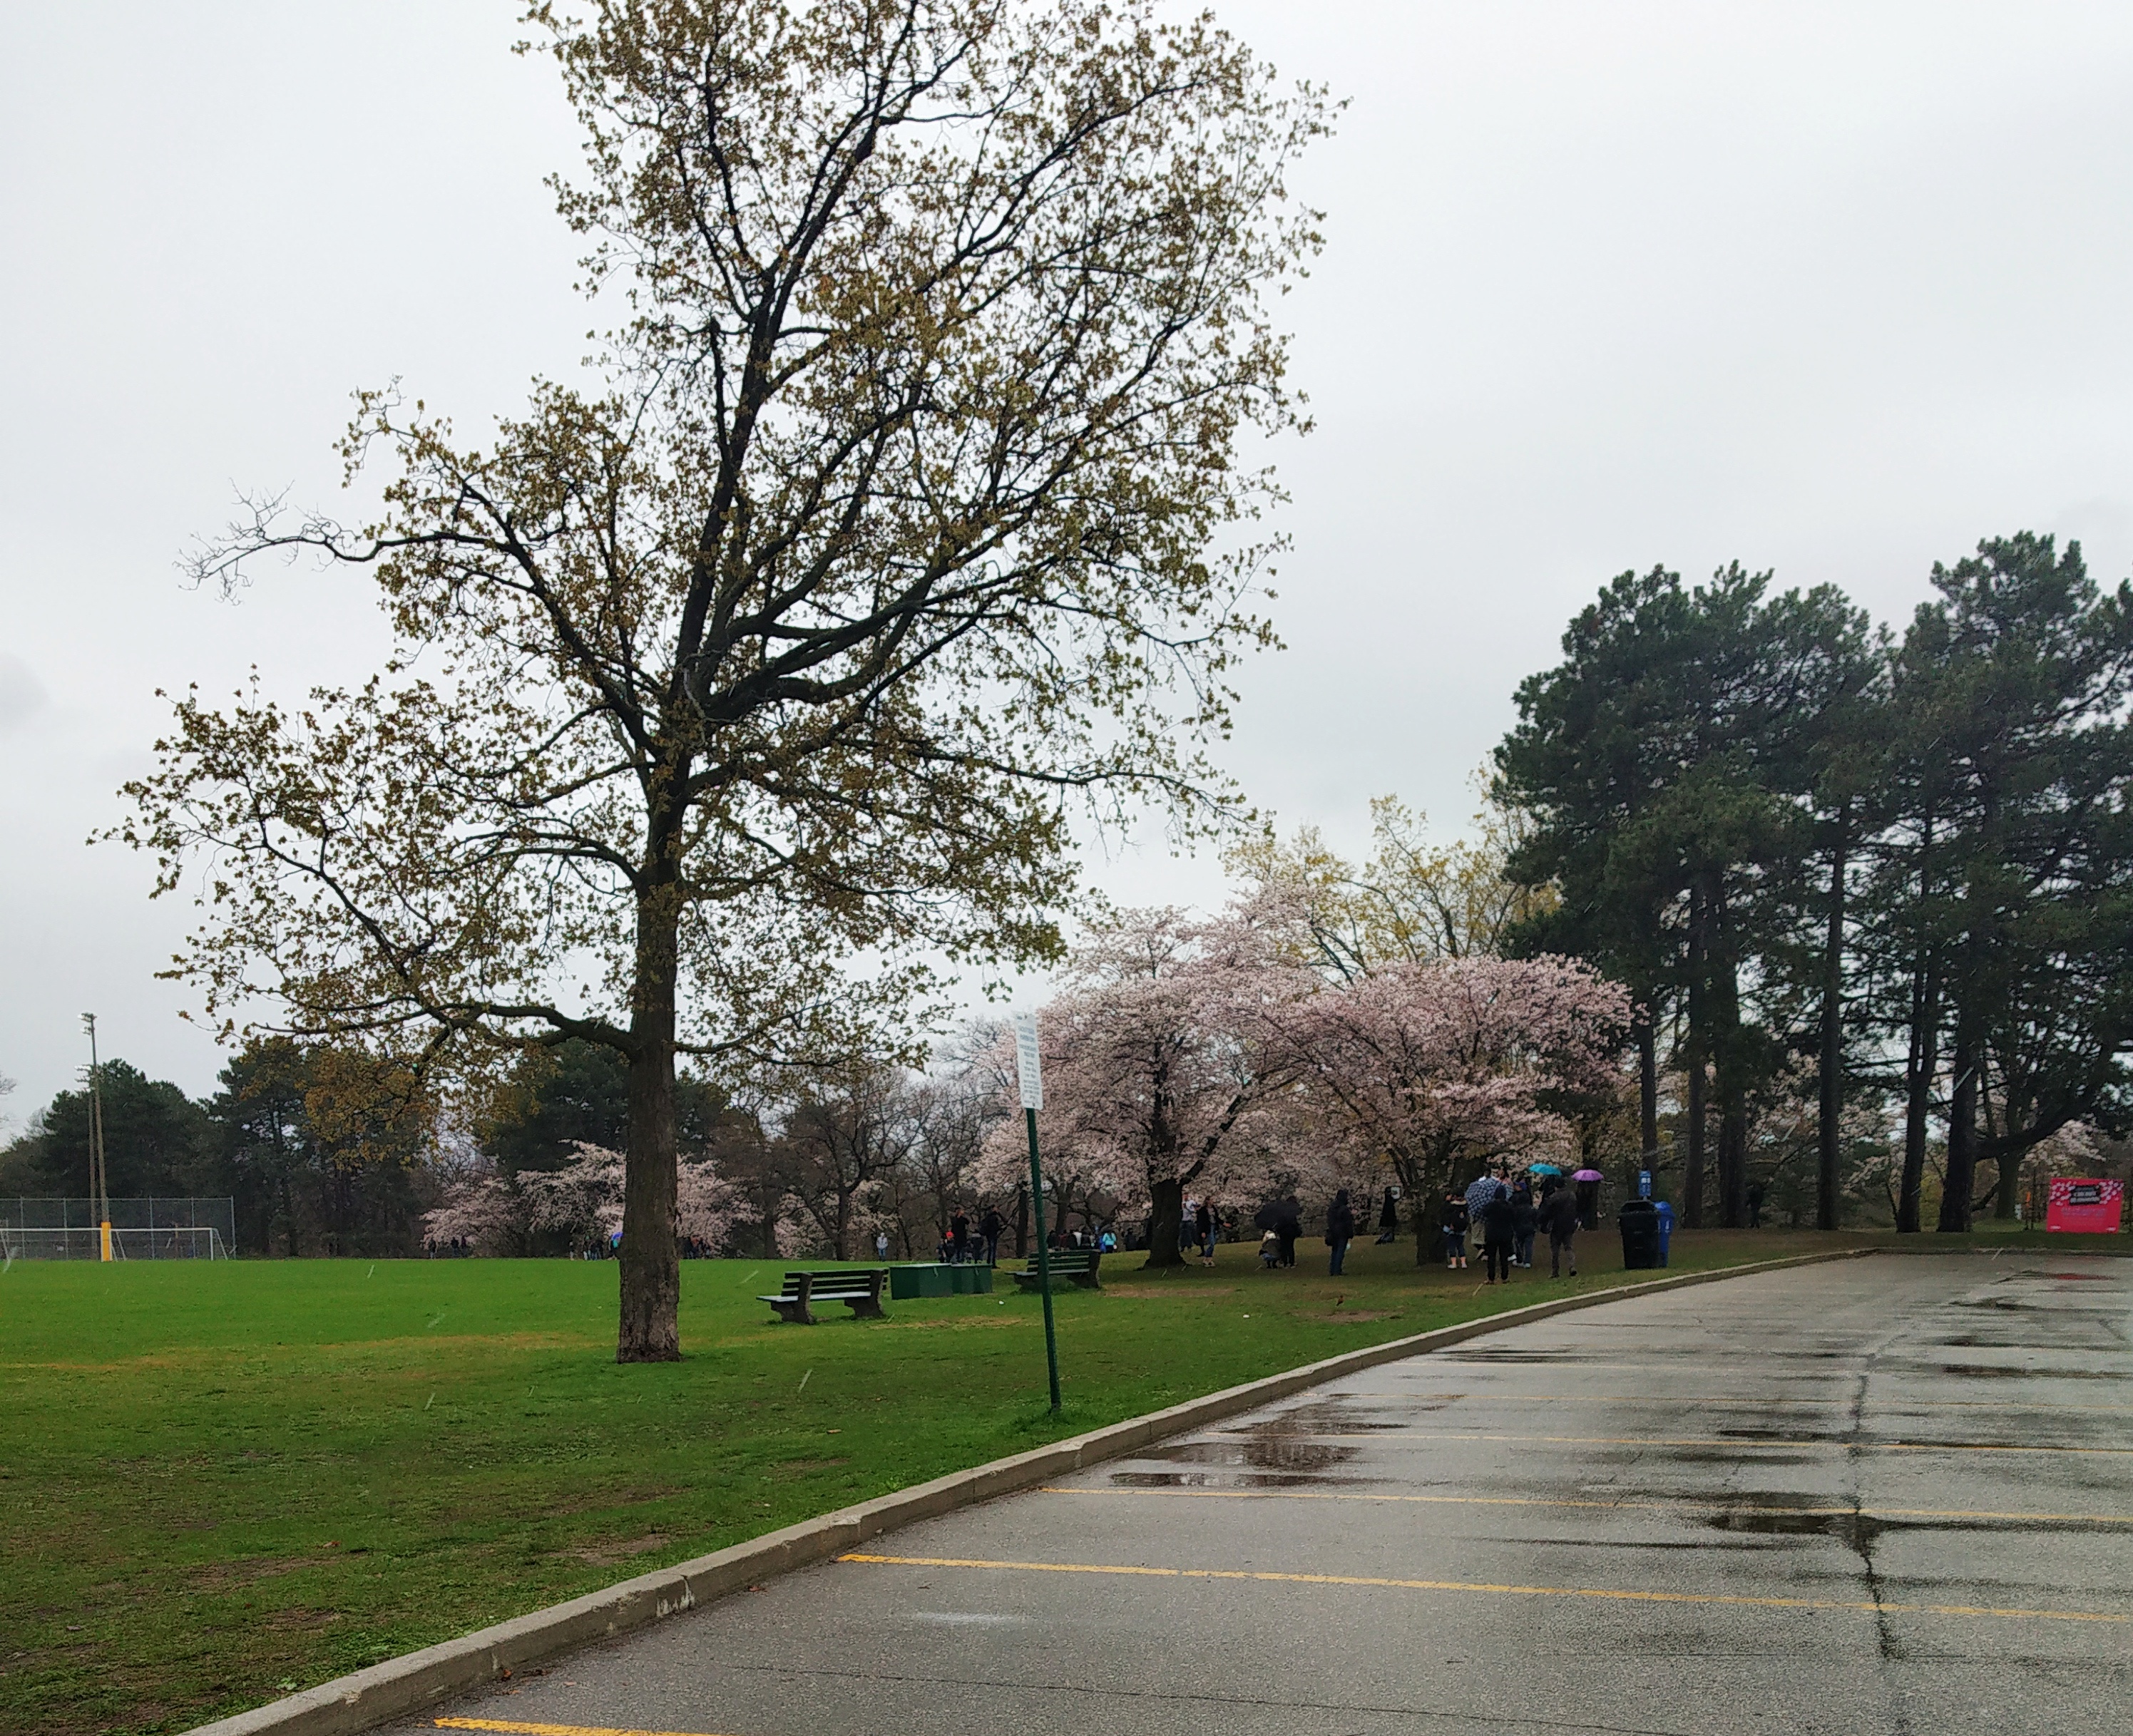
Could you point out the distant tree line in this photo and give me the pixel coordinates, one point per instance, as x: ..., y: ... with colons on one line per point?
x: 322, y: 1158
x: 1890, y: 876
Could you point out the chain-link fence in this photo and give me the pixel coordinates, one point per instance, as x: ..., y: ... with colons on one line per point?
x: 140, y: 1230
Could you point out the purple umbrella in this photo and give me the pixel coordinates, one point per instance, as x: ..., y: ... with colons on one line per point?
x: 1588, y: 1176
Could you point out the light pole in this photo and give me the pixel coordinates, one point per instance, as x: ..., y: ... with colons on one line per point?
x: 99, y: 1184
x: 1032, y: 1080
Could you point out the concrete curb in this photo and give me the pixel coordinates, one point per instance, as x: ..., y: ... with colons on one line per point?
x: 404, y: 1685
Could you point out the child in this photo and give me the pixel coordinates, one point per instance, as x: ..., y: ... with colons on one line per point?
x: 1453, y: 1224
x: 1269, y: 1251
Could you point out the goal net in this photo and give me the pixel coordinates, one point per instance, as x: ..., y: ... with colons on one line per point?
x: 140, y: 1230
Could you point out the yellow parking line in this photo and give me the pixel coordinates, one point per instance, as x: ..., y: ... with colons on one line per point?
x: 1599, y: 1592
x: 1865, y: 1512
x: 1871, y: 1446
x: 551, y: 1730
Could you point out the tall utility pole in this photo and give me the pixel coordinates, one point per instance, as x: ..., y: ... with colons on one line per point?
x: 99, y: 1184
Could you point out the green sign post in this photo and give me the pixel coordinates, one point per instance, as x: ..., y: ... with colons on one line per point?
x: 1032, y: 1081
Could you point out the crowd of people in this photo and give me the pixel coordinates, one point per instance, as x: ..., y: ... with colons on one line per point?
x: 1499, y: 1209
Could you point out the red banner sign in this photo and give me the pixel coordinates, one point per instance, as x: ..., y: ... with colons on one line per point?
x: 2090, y: 1206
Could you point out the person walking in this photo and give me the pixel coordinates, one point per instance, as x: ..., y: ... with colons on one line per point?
x: 1559, y: 1217
x: 959, y: 1237
x: 1755, y: 1207
x: 992, y: 1227
x: 1527, y: 1218
x: 1204, y: 1226
x: 1453, y: 1224
x: 881, y: 1244
x: 1388, y: 1218
x: 1340, y: 1231
x: 1498, y: 1229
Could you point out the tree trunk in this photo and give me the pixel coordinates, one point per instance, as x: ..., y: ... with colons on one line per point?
x: 1166, y: 1212
x: 650, y: 1329
x: 1962, y: 1132
x: 1733, y: 1153
x: 1923, y: 1062
x: 1728, y: 1066
x: 1423, y: 1203
x: 1647, y: 1091
x: 2006, y: 1197
x: 1691, y: 1182
x: 1832, y: 1039
x: 1698, y: 1037
x: 1022, y: 1221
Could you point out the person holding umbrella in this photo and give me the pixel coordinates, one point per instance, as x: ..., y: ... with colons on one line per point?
x: 1588, y: 1182
x: 1389, y: 1216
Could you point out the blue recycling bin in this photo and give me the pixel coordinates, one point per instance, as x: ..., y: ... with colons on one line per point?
x: 1666, y: 1228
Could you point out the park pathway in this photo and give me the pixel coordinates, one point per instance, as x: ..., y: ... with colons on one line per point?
x: 1887, y: 1495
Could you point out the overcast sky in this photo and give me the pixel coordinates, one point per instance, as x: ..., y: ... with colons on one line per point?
x: 1834, y: 290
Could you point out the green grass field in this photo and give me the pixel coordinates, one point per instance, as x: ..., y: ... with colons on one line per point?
x: 220, y: 1482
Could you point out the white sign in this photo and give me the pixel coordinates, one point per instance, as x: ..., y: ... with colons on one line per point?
x: 1025, y: 1060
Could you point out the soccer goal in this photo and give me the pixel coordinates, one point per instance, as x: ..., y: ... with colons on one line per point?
x: 140, y: 1230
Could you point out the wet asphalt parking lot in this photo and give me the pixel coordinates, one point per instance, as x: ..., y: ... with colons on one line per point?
x: 1893, y: 1494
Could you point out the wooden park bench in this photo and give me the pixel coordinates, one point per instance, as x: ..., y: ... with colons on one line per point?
x: 860, y: 1291
x: 1074, y: 1265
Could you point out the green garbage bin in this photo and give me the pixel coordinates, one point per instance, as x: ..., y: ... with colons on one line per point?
x: 928, y: 1278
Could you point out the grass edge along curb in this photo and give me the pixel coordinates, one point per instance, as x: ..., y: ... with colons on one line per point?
x: 399, y: 1685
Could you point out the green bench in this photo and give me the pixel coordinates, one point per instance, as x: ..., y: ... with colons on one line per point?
x: 860, y: 1291
x: 1076, y: 1266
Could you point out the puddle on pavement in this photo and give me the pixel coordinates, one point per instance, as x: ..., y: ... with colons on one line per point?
x: 1861, y: 1530
x: 1336, y: 1414
x: 1856, y: 1530
x: 1233, y: 1480
x: 1798, y: 1437
x: 1275, y: 1454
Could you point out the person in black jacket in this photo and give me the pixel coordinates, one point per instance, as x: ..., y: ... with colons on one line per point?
x: 1388, y: 1218
x: 1340, y: 1231
x: 1498, y: 1229
x: 1528, y: 1218
x: 1559, y: 1217
x: 1287, y: 1226
x: 1453, y: 1224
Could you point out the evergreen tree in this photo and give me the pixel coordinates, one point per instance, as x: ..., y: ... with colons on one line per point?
x: 2012, y: 686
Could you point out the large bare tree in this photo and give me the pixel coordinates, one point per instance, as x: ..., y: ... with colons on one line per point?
x: 885, y: 532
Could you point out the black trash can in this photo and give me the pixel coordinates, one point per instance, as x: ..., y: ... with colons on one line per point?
x: 1640, y: 1219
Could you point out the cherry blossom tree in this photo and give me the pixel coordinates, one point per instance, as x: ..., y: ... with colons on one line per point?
x: 1158, y: 1078
x: 1437, y: 1064
x: 501, y: 1212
